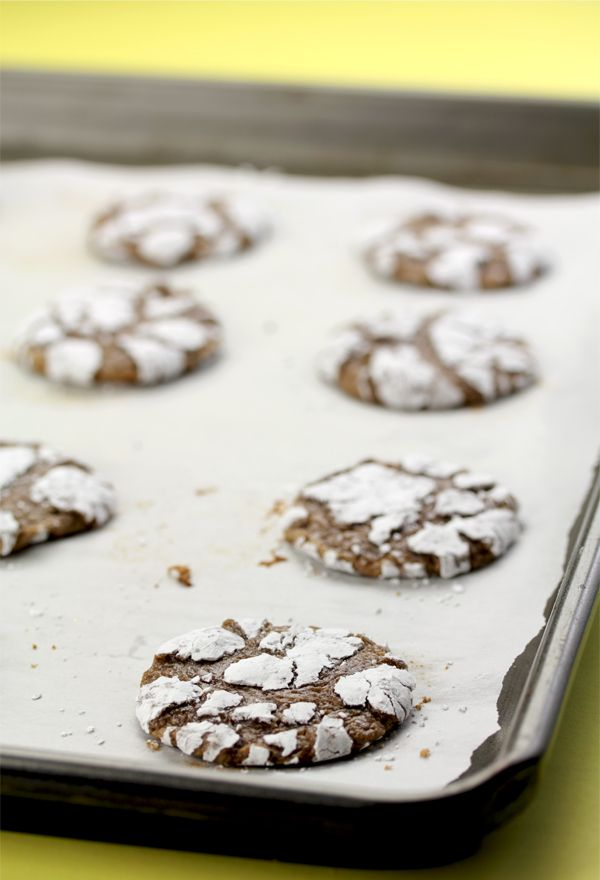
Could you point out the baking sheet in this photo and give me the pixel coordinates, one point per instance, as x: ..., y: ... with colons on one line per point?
x: 251, y: 429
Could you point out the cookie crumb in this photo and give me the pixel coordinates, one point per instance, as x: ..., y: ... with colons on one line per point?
x: 201, y: 491
x: 144, y: 504
x: 34, y: 647
x: 274, y: 560
x: 181, y: 573
x: 153, y: 744
x: 278, y: 507
x: 387, y: 767
x: 424, y: 753
x: 34, y: 665
x: 418, y: 706
x: 53, y: 647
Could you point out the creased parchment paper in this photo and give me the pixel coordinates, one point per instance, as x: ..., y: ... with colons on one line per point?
x: 82, y: 616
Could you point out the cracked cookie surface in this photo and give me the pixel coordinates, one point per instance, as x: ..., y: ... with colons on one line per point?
x: 251, y: 694
x: 119, y: 332
x: 45, y: 495
x: 455, y: 252
x: 163, y: 229
x: 413, y: 519
x: 412, y: 361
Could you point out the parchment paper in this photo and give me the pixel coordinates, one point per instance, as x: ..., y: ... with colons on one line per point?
x: 254, y: 427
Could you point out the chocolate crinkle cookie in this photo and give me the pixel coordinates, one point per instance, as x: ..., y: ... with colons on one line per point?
x: 455, y: 252
x: 165, y: 229
x: 408, y: 520
x: 251, y: 694
x: 119, y: 332
x: 45, y: 495
x: 442, y: 360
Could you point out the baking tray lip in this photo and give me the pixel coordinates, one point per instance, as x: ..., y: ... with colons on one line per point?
x: 300, y: 88
x: 25, y: 765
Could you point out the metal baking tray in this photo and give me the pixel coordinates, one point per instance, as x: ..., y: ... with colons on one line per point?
x: 512, y: 145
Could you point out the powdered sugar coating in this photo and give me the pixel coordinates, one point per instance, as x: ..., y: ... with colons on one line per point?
x: 160, y: 694
x: 154, y: 361
x: 255, y: 712
x: 306, y: 653
x: 69, y: 488
x: 332, y: 739
x: 44, y: 494
x: 166, y: 229
x: 122, y: 331
x: 453, y: 251
x: 210, y: 643
x: 206, y: 736
x: 436, y: 360
x: 264, y: 671
x: 370, y: 491
x: 226, y: 720
x: 9, y: 530
x: 300, y: 712
x: 73, y: 361
x: 412, y: 519
x: 14, y: 461
x: 287, y: 741
x: 250, y: 626
x: 258, y: 756
x: 385, y: 688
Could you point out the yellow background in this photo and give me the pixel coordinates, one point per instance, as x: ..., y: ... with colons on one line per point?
x: 540, y: 48
x: 549, y: 49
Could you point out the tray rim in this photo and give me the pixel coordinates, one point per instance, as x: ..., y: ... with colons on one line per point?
x: 334, y: 130
x: 25, y: 72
